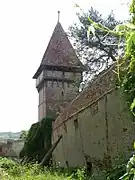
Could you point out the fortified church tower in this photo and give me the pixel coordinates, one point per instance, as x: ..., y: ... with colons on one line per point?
x: 58, y: 76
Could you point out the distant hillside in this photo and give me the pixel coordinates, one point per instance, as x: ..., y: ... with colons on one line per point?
x: 10, y: 135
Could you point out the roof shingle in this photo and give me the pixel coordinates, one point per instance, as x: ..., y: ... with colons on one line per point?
x: 60, y: 52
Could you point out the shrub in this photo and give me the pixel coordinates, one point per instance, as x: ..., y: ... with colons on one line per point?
x: 38, y: 141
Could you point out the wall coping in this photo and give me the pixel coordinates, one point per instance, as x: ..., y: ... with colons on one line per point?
x: 86, y: 91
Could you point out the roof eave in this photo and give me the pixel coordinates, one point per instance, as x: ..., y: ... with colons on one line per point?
x: 81, y: 68
x: 38, y: 72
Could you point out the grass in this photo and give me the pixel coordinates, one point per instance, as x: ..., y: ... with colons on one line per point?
x: 11, y: 170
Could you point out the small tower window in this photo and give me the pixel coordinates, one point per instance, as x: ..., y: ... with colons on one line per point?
x: 62, y: 84
x: 52, y: 83
x: 76, y: 123
x: 57, y: 84
x: 62, y: 95
x: 63, y: 74
x: 46, y: 84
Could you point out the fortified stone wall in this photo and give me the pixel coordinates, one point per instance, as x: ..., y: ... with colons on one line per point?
x: 104, y: 83
x: 96, y: 124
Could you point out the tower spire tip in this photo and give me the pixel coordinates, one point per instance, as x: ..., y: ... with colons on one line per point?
x: 58, y: 16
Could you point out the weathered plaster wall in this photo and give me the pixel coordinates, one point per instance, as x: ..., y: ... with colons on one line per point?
x: 101, y: 85
x: 97, y: 124
x: 58, y: 94
x: 105, y: 130
x: 17, y: 146
x: 11, y: 148
x: 55, y: 94
x: 3, y: 149
x: 121, y: 129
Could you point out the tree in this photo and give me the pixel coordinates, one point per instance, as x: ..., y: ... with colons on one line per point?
x: 23, y: 134
x: 125, y: 65
x: 100, y: 50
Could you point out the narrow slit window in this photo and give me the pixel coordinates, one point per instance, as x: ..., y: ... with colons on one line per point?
x: 67, y: 163
x: 62, y: 84
x: 63, y: 74
x: 52, y: 83
x: 46, y: 84
x: 76, y: 123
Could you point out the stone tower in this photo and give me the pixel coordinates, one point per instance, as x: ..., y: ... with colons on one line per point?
x: 58, y: 76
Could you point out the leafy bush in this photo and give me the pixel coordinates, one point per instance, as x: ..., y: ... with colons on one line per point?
x: 116, y: 173
x: 38, y: 140
x: 130, y: 170
x: 10, y: 170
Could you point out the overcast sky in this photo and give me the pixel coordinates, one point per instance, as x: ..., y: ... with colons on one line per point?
x: 25, y: 29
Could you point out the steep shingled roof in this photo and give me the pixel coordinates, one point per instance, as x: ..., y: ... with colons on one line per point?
x: 60, y: 52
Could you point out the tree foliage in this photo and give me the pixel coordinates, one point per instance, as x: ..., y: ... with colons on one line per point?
x: 23, y: 134
x: 127, y: 67
x: 38, y: 140
x: 126, y: 64
x: 97, y: 47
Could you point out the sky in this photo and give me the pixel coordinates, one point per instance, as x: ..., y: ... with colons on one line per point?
x: 25, y: 29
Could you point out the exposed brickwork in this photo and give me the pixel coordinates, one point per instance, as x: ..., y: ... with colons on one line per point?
x: 102, y: 84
